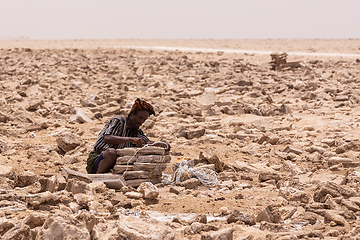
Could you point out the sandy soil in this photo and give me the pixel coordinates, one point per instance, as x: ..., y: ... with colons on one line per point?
x: 281, y: 136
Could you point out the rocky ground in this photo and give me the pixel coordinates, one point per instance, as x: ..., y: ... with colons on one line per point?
x: 284, y: 143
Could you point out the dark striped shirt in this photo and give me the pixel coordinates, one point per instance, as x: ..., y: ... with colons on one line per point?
x: 117, y: 126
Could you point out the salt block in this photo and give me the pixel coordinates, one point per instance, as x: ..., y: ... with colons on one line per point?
x: 136, y: 174
x: 126, y: 159
x: 150, y: 166
x: 151, y: 151
x: 154, y: 158
x: 126, y: 151
x: 123, y: 168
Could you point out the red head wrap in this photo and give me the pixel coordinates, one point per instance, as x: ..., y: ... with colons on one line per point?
x: 142, y: 105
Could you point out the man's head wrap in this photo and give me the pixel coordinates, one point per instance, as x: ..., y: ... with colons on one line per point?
x: 142, y: 105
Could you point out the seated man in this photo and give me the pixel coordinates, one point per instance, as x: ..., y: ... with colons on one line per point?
x: 121, y: 132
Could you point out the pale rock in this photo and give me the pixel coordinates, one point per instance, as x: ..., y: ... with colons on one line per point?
x: 62, y: 196
x: 334, y: 216
x: 224, y: 211
x: 265, y: 176
x: 333, y: 189
x: 96, y: 207
x: 291, y: 149
x: 74, y: 207
x: 313, y: 149
x: 329, y: 142
x: 346, y: 162
x: 81, y: 117
x: 20, y: 231
x: 269, y: 214
x: 176, y: 189
x: 6, y: 171
x: 4, y: 118
x: 331, y: 203
x: 148, y: 190
x: 97, y: 187
x: 208, y: 98
x: 134, y: 195
x: 87, y: 219
x: 273, y: 227
x: 238, y: 216
x: 351, y: 205
x: 272, y: 139
x: 39, y: 198
x: 129, y: 228
x: 195, y: 133
x: 63, y: 227
x: 307, y: 217
x: 34, y: 105
x: 68, y: 141
x: 287, y: 212
x: 3, y: 146
x: 293, y: 194
x: 25, y: 178
x: 5, y: 225
x: 76, y: 186
x: 355, y: 200
x: 209, y: 156
x: 83, y: 199
x: 201, y: 218
x: 136, y: 202
x: 196, y: 228
x: 191, y: 183
x: 288, y: 166
x: 222, y: 234
x: 35, y: 219
x: 56, y: 183
x: 64, y: 208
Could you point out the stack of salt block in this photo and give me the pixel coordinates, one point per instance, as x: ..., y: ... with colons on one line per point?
x: 141, y: 164
x: 278, y: 60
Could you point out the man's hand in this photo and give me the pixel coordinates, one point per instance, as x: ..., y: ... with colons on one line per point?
x: 139, y: 142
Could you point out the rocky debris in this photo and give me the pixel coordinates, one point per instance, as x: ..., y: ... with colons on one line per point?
x: 176, y: 189
x: 133, y: 228
x: 68, y: 141
x: 293, y: 194
x: 282, y: 145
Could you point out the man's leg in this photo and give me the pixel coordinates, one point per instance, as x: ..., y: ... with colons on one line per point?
x: 108, y: 162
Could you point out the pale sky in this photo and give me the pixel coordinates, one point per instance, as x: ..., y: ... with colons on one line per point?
x: 179, y: 19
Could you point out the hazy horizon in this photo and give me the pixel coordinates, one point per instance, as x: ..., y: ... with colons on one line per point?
x: 161, y: 19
